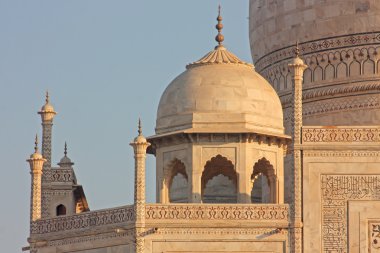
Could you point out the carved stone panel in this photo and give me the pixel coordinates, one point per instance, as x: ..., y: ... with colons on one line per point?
x: 336, y: 191
x: 374, y: 236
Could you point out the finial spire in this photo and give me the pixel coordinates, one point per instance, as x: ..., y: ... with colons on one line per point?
x: 65, y: 152
x: 140, y: 128
x: 47, y: 97
x: 297, y: 51
x: 36, y: 144
x: 219, y: 38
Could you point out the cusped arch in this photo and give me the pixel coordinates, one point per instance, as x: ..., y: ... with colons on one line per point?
x: 218, y: 165
x: 264, y: 167
x: 176, y: 169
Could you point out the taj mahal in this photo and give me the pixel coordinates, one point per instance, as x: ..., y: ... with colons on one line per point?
x: 282, y: 155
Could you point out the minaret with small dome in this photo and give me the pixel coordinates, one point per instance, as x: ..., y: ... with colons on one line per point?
x: 60, y: 194
x: 47, y: 113
x: 36, y: 162
x: 139, y: 144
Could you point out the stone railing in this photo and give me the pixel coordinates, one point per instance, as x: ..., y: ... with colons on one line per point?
x: 221, y: 212
x: 160, y: 213
x: 340, y: 134
x: 83, y: 221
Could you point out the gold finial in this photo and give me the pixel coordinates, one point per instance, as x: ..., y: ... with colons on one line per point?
x: 219, y: 38
x: 65, y: 152
x: 36, y: 144
x: 297, y: 51
x: 140, y: 128
x: 47, y: 97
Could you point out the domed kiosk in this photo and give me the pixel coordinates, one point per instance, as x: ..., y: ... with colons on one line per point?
x: 219, y: 132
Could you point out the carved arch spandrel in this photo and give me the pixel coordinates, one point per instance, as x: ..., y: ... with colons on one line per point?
x: 209, y: 152
x: 218, y: 165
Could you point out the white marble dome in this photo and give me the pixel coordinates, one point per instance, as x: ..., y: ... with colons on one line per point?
x: 220, y: 94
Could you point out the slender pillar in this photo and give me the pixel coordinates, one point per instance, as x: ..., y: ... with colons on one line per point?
x: 139, y: 145
x: 47, y: 115
x: 36, y: 162
x: 297, y: 68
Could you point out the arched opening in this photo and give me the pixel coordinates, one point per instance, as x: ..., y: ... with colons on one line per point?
x: 219, y: 181
x: 260, y: 190
x: 263, y: 182
x: 176, y: 181
x: 61, y: 210
x: 178, y: 191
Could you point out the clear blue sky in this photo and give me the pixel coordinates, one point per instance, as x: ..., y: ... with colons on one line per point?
x: 105, y: 63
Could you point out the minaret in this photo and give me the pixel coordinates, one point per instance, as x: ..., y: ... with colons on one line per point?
x: 139, y: 145
x: 296, y: 67
x: 36, y: 162
x: 47, y: 115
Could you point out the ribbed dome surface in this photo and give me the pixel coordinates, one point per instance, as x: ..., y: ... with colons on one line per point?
x: 221, y: 94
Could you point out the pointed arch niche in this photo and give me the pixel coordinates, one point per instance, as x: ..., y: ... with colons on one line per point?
x: 176, y: 182
x: 219, y: 181
x: 264, y: 182
x: 60, y: 210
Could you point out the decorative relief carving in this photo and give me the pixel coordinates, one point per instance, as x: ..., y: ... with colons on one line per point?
x: 279, y: 212
x: 62, y: 175
x: 340, y: 134
x: 308, y: 153
x: 45, y: 202
x: 374, y: 236
x: 209, y: 153
x: 83, y: 221
x: 336, y: 191
x: 335, y: 105
x: 92, y: 238
x: 46, y: 143
x: 329, y: 91
x: 96, y: 219
x: 223, y: 231
x: 317, y: 46
x: 338, y: 61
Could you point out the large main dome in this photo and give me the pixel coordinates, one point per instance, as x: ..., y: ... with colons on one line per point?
x: 220, y: 93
